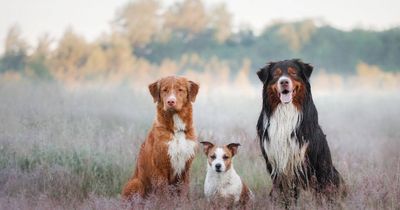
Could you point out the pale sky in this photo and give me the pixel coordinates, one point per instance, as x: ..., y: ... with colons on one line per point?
x: 90, y: 18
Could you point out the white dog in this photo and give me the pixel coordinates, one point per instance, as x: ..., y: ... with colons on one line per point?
x: 222, y: 181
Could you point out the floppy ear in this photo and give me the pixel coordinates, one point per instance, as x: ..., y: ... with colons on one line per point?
x: 233, y: 147
x: 155, y: 91
x: 193, y: 90
x: 207, y: 146
x: 306, y: 68
x: 263, y: 73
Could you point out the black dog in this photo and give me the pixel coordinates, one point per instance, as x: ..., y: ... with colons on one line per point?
x: 293, y: 144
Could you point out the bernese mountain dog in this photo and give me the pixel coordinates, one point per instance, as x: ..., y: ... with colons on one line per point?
x: 292, y: 142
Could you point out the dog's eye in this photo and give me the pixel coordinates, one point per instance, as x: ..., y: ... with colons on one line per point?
x: 225, y: 157
x: 292, y: 71
x: 212, y: 157
x: 165, y: 90
x: 277, y: 73
x: 180, y: 89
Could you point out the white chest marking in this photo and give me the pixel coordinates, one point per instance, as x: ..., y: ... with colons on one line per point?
x: 226, y: 184
x: 180, y: 149
x: 283, y: 150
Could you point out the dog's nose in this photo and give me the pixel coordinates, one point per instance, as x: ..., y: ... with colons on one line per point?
x: 218, y: 166
x: 284, y: 82
x: 171, y: 102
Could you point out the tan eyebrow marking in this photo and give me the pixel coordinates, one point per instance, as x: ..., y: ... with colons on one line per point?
x: 277, y: 72
x: 292, y: 70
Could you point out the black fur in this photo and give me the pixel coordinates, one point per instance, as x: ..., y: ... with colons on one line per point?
x: 319, y: 172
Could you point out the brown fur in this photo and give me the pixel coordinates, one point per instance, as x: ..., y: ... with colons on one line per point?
x: 272, y: 92
x: 299, y: 88
x: 153, y: 168
x: 245, y: 196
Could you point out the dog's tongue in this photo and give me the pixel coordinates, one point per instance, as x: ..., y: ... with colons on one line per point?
x: 286, y: 98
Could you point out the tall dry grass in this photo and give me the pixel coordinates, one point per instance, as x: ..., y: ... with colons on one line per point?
x: 62, y: 149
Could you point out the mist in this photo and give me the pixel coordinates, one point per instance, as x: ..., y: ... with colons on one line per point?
x: 85, y: 142
x: 74, y: 110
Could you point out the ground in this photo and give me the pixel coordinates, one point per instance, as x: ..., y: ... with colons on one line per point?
x: 75, y: 149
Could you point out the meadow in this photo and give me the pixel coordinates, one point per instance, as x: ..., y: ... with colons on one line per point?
x: 74, y: 149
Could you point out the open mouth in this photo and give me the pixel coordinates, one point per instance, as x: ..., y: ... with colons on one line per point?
x: 286, y: 96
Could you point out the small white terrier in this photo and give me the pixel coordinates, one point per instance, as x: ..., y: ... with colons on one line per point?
x: 222, y: 181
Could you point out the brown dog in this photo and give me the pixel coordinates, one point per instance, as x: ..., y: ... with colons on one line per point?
x: 166, y: 155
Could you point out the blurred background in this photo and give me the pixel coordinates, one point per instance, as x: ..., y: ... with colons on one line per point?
x: 74, y: 103
x: 219, y: 43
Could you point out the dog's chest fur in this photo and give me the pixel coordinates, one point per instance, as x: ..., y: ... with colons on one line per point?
x: 180, y: 149
x: 283, y: 150
x: 226, y: 184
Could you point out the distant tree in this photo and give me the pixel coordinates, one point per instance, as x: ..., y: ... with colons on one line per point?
x: 15, y: 51
x: 333, y: 49
x: 221, y: 21
x: 389, y: 41
x: 271, y: 46
x: 138, y: 21
x: 120, y: 61
x: 96, y: 63
x: 147, y: 40
x: 244, y: 36
x: 188, y: 17
x: 70, y: 56
x: 38, y: 63
x: 297, y: 33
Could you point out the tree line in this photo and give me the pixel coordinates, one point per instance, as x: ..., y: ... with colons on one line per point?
x: 147, y: 39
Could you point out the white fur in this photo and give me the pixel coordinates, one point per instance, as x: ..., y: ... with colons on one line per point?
x: 219, y: 153
x: 180, y: 149
x: 283, y: 150
x: 226, y: 183
x: 284, y: 78
x: 171, y: 97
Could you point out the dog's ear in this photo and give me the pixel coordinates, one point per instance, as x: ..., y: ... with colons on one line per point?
x: 307, y: 68
x: 154, y: 89
x: 264, y: 72
x: 207, y: 146
x: 233, y: 147
x: 193, y: 90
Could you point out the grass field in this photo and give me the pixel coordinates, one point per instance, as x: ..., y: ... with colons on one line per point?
x: 75, y: 149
